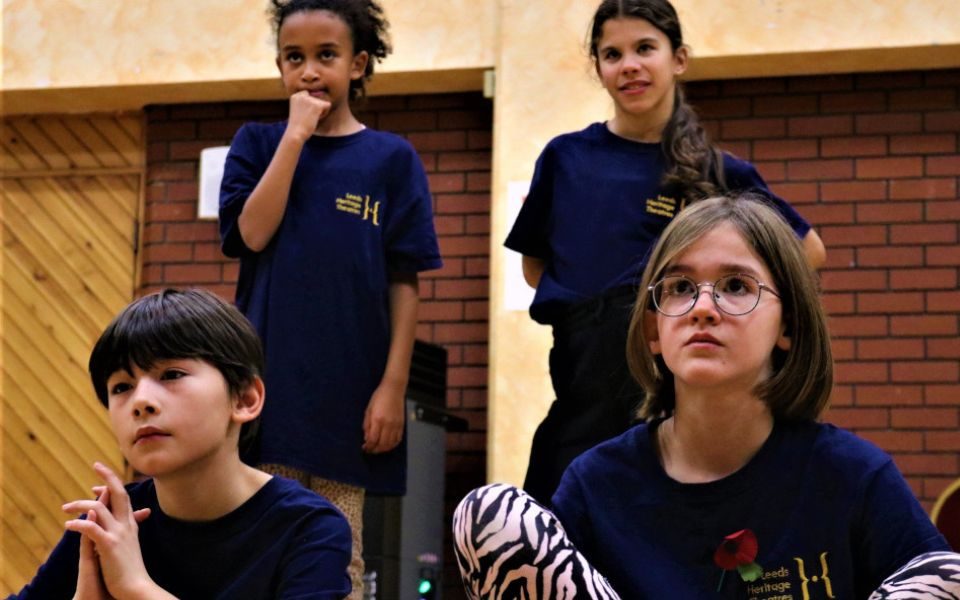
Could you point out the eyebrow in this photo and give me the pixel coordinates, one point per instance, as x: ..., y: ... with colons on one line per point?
x: 683, y: 269
x: 324, y: 45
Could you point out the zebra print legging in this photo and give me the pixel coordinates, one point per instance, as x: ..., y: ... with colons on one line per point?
x: 509, y: 546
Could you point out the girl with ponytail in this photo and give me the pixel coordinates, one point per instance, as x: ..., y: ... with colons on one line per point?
x: 598, y: 201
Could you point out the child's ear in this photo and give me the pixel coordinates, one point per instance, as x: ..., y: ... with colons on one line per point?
x: 249, y: 402
x: 651, y: 332
x: 359, y: 66
x: 784, y: 341
x: 681, y: 59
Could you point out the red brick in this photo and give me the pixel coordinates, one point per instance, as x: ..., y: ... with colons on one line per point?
x: 772, y: 171
x: 923, y: 279
x: 184, y: 191
x: 479, y: 140
x: 477, y: 267
x: 843, y: 349
x: 794, y: 104
x: 753, y: 87
x: 857, y: 326
x: 930, y: 371
x: 478, y: 224
x: 231, y: 271
x: 452, y: 268
x: 819, y: 169
x: 477, y: 310
x: 157, y: 152
x: 861, y: 372
x: 466, y: 119
x: 942, y: 441
x: 841, y: 395
x: 463, y: 203
x: 840, y: 258
x: 187, y: 150
x: 889, y: 395
x: 838, y: 304
x: 449, y: 224
x: 943, y: 211
x: 922, y: 464
x: 475, y: 354
x: 467, y: 376
x: 846, y: 191
x: 152, y: 274
x: 926, y: 234
x: 478, y: 182
x: 924, y: 325
x: 467, y: 442
x: 407, y: 120
x: 889, y: 123
x: 209, y: 252
x: 943, y: 348
x: 854, y: 235
x: 895, y: 441
x: 890, y: 256
x: 934, y: 486
x: 923, y: 144
x: 923, y: 418
x: 822, y: 214
x: 837, y: 281
x: 858, y: 418
x: 189, y: 274
x: 889, y: 168
x: 440, y: 311
x: 464, y: 161
x: 890, y: 348
x: 890, y: 302
x: 465, y: 245
x: 171, y: 212
x: 198, y: 231
x: 167, y: 253
x: 172, y: 130
x: 172, y: 171
x: 797, y: 193
x: 720, y: 108
x: 464, y: 288
x: 923, y: 189
x: 787, y: 148
x: 446, y: 182
x: 735, y: 129
x: 855, y: 102
x: 942, y: 121
x: 888, y: 80
x: 943, y: 165
x: 887, y: 212
x: 820, y: 126
x: 943, y: 301
x: 936, y: 394
x: 474, y: 398
x: 438, y: 140
x: 924, y: 99
x: 820, y: 83
x: 853, y: 146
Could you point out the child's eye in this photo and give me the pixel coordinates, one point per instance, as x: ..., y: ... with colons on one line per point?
x: 119, y: 388
x: 170, y: 374
x: 327, y: 55
x: 611, y: 55
x: 294, y: 57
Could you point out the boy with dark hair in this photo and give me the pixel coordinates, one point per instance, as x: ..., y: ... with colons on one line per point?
x: 179, y: 372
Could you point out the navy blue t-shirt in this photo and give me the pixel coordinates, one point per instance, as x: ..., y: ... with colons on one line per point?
x: 284, y: 542
x: 830, y: 511
x: 596, y: 208
x: 318, y: 293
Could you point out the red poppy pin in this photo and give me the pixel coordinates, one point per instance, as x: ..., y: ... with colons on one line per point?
x: 738, y: 551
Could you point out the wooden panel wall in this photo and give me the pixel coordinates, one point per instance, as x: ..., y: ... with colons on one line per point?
x: 69, y: 209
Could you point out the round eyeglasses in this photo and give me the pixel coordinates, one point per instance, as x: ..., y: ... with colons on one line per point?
x: 738, y: 294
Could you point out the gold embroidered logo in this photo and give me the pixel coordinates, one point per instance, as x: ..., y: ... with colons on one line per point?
x: 360, y: 206
x: 815, y: 579
x: 663, y: 206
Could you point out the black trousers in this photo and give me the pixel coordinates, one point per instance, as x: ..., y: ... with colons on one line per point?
x: 596, y: 396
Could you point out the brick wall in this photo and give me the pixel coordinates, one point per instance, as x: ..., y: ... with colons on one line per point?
x: 873, y: 160
x: 452, y: 134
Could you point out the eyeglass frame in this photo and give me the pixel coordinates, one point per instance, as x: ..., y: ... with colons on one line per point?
x: 760, y: 287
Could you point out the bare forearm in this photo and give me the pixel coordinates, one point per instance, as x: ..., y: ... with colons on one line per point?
x: 266, y: 205
x: 533, y: 268
x: 404, y: 300
x: 814, y: 250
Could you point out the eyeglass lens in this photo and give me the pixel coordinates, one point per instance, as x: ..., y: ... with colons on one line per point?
x: 733, y: 294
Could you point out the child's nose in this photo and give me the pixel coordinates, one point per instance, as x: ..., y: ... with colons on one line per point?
x: 704, y: 308
x: 144, y: 402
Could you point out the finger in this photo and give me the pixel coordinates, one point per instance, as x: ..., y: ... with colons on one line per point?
x: 120, y: 502
x: 141, y: 515
x: 80, y: 507
x: 372, y: 439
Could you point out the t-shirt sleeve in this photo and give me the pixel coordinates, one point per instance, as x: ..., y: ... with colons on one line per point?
x: 743, y: 177
x: 317, y: 565
x: 241, y: 173
x: 892, y: 528
x: 570, y: 506
x: 530, y: 234
x: 57, y: 576
x: 410, y: 237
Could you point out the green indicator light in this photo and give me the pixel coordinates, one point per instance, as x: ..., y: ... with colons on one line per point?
x: 425, y: 586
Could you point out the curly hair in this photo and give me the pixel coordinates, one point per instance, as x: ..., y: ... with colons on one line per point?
x: 369, y: 29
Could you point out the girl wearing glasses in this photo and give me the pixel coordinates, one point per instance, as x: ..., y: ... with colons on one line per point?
x: 598, y: 200
x: 731, y: 488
